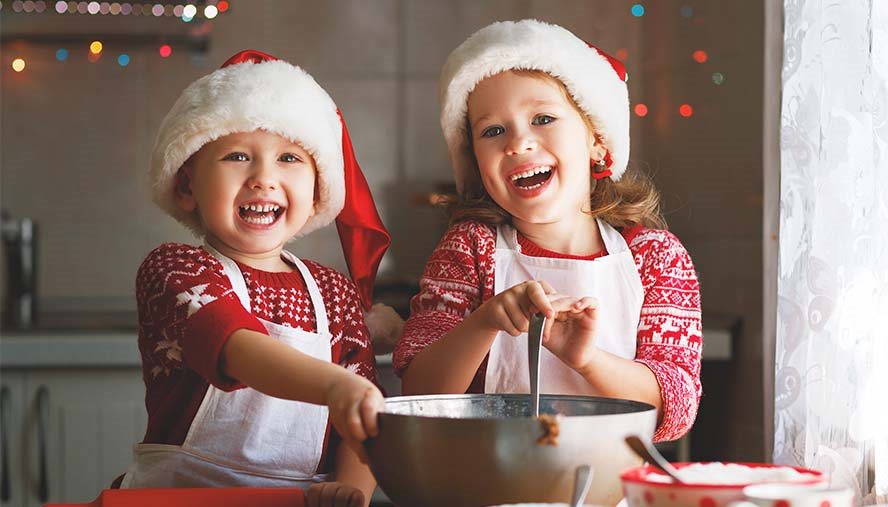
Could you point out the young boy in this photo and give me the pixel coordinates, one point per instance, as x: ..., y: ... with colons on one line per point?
x: 248, y: 352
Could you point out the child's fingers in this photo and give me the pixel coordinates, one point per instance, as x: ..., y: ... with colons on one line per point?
x: 370, y: 407
x: 537, y: 296
x: 561, y: 303
x: 503, y: 319
x: 547, y: 329
x: 342, y: 497
x: 355, y: 498
x: 354, y: 426
x: 586, y: 302
x: 518, y: 318
x: 548, y: 289
x: 313, y: 494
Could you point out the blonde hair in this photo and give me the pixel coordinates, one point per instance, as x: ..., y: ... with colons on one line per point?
x: 630, y: 201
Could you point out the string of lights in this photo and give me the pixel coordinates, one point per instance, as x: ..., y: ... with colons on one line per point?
x: 212, y: 8
x: 187, y: 11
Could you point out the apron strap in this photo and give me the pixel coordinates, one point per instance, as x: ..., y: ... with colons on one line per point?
x: 614, y: 242
x: 507, y: 238
x: 238, y: 284
x: 313, y: 291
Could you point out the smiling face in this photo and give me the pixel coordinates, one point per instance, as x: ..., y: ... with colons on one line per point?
x: 253, y: 192
x: 533, y: 148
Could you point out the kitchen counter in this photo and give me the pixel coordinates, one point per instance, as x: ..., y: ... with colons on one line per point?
x: 111, y: 349
x: 55, y: 349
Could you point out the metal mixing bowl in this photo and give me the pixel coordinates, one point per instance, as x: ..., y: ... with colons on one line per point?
x: 478, y: 450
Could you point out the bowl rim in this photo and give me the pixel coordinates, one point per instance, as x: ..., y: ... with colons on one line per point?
x: 636, y: 475
x: 636, y: 407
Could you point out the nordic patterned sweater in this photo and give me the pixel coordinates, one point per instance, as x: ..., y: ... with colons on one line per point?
x: 459, y: 277
x: 188, y: 310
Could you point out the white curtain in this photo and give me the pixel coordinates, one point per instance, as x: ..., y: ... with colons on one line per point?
x: 831, y: 378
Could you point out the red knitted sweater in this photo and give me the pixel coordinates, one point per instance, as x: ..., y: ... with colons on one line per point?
x: 188, y: 310
x: 458, y: 278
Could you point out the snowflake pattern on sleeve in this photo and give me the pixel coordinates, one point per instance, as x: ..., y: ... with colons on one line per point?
x: 173, y: 284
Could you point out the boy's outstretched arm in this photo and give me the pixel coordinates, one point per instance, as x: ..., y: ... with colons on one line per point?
x: 279, y: 370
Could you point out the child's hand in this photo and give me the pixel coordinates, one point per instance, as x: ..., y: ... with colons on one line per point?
x: 354, y: 402
x: 570, y: 321
x: 511, y: 310
x: 571, y: 334
x: 333, y: 494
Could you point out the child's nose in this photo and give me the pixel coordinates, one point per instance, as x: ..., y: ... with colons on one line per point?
x: 520, y: 142
x: 262, y: 177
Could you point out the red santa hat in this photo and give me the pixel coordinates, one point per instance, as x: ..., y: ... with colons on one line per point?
x: 252, y: 91
x: 596, y: 81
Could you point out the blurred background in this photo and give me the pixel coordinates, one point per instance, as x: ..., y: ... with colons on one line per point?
x: 85, y: 86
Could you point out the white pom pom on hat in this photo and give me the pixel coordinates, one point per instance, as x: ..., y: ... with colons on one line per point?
x: 596, y: 81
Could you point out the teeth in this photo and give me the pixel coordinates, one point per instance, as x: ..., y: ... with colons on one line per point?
x: 261, y: 208
x: 259, y: 220
x: 530, y: 172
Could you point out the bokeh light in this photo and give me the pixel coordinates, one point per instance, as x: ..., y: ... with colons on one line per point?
x: 95, y: 47
x: 210, y: 11
x: 641, y: 110
x: 123, y: 60
x: 700, y: 56
x: 165, y: 51
x: 62, y: 54
x: 718, y: 78
x: 637, y: 10
x: 686, y: 110
x: 18, y: 65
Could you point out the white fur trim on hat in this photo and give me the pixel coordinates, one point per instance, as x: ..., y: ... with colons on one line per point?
x: 274, y: 96
x: 534, y: 45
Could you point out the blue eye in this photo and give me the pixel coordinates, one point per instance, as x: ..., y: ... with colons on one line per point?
x: 289, y: 158
x: 543, y: 119
x: 236, y: 157
x: 492, y: 131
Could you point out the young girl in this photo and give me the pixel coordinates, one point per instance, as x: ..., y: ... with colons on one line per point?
x: 537, y: 124
x: 249, y: 353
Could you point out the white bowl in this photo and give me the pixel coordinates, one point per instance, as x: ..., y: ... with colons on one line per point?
x: 647, y: 486
x: 793, y: 495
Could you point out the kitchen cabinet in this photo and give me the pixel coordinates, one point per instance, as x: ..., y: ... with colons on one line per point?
x: 72, y: 408
x: 70, y: 432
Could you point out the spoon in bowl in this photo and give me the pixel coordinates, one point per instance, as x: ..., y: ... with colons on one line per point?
x: 581, y: 485
x: 534, y: 342
x: 650, y: 454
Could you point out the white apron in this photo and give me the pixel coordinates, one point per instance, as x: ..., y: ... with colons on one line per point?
x: 244, y: 437
x: 612, y: 279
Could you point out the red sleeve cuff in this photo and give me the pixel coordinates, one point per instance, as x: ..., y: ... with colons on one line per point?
x: 207, y: 331
x: 679, y: 400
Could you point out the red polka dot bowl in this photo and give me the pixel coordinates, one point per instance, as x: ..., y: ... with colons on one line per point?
x: 647, y: 486
x: 792, y: 495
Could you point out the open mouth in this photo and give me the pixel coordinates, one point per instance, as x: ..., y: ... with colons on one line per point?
x: 532, y: 178
x: 260, y: 214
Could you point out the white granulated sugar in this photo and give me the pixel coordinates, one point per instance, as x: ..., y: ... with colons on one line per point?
x: 732, y: 473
